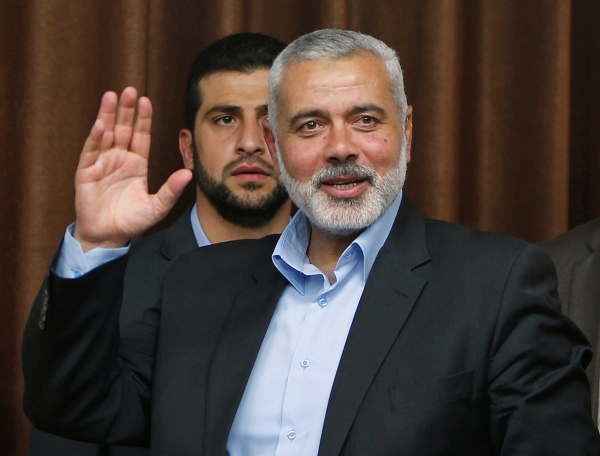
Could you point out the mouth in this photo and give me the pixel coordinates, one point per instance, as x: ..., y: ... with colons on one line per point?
x: 249, y: 169
x: 248, y: 174
x: 344, y: 182
x: 345, y: 186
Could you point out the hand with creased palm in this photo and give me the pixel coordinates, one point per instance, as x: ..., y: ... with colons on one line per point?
x: 112, y: 202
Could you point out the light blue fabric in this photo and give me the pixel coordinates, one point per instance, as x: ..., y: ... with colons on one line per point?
x: 199, y: 234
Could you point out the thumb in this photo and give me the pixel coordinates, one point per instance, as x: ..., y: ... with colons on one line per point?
x: 170, y: 191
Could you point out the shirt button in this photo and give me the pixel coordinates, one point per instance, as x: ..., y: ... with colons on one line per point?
x: 291, y: 435
x: 305, y: 363
x: 322, y: 302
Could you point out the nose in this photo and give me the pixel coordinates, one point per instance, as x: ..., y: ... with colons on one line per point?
x: 341, y: 147
x: 251, y: 140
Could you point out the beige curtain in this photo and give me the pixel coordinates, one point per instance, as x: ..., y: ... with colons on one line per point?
x: 506, y: 96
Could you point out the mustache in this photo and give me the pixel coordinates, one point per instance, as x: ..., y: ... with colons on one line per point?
x: 344, y: 170
x: 248, y: 160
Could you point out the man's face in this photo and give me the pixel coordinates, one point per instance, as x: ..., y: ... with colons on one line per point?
x: 231, y: 164
x: 342, y: 148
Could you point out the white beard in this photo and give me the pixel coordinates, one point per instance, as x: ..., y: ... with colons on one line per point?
x: 349, y: 215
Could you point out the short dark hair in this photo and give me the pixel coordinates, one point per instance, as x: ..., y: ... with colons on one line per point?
x: 242, y: 52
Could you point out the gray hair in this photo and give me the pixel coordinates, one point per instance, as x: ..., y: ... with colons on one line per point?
x: 334, y: 44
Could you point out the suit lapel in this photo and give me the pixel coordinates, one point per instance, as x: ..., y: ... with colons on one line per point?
x: 179, y: 237
x: 236, y: 352
x: 394, y: 284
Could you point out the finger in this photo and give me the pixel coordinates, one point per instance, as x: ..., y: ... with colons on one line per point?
x: 124, y: 118
x: 91, y: 147
x: 140, y: 141
x: 106, y: 113
x: 167, y: 195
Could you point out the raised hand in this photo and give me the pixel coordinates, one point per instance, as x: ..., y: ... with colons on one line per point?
x: 112, y: 203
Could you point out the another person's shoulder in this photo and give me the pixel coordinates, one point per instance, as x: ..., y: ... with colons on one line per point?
x: 166, y: 244
x: 575, y: 240
x: 148, y: 243
x: 572, y: 247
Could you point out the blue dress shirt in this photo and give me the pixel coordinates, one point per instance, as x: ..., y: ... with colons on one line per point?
x: 284, y: 404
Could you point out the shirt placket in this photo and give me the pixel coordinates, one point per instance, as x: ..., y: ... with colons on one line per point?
x: 298, y: 404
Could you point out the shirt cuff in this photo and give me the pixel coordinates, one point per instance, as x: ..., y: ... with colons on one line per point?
x: 72, y: 262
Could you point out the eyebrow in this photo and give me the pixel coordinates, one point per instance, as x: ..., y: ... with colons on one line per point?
x: 366, y: 108
x: 231, y: 109
x: 307, y: 113
x: 262, y: 108
x: 223, y: 108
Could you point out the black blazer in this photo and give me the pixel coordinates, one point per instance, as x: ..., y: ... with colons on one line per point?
x: 147, y: 259
x: 455, y: 349
x: 576, y: 255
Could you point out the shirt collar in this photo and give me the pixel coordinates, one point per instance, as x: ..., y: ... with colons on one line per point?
x: 289, y: 256
x: 199, y: 234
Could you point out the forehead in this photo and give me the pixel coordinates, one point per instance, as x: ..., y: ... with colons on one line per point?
x: 234, y: 88
x: 324, y: 81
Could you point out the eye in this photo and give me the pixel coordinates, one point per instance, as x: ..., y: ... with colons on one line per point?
x: 366, y: 123
x: 310, y: 125
x: 225, y: 120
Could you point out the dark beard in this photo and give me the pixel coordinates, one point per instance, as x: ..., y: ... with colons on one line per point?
x: 230, y: 206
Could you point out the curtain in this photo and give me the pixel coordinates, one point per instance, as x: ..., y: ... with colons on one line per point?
x: 506, y: 118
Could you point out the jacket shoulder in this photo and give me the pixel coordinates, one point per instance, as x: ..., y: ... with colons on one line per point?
x: 473, y: 257
x: 148, y: 244
x: 574, y: 243
x: 227, y: 257
x: 448, y: 235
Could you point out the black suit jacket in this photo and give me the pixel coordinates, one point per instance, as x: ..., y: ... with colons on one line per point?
x: 455, y: 349
x: 147, y: 260
x: 576, y: 255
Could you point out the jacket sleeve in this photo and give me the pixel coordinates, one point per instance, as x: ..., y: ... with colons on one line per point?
x: 539, y: 393
x: 83, y: 379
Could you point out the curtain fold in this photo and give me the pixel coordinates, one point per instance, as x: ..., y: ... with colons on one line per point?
x: 506, y: 114
x: 514, y: 126
x: 584, y: 156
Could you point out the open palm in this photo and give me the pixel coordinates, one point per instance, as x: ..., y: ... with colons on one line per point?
x: 112, y: 202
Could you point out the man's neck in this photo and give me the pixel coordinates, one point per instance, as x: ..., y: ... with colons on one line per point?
x: 325, y: 249
x: 217, y: 229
